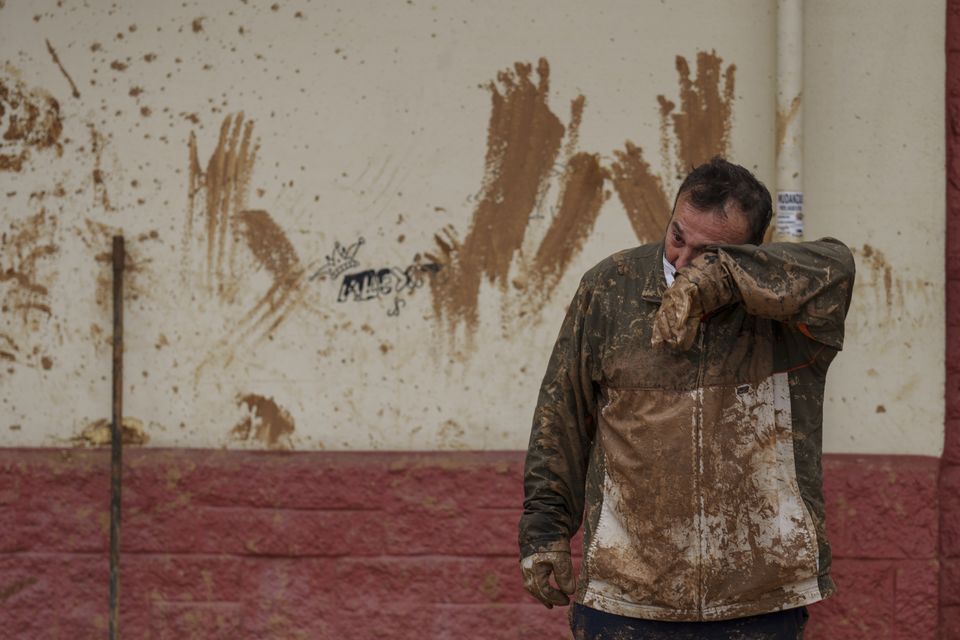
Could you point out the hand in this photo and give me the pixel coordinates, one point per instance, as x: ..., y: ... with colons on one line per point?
x: 677, y: 319
x: 698, y: 289
x: 536, y: 569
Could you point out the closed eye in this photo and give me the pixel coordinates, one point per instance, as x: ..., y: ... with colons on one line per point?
x: 677, y: 238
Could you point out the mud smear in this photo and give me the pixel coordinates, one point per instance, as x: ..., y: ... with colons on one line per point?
x: 56, y: 61
x: 883, y: 297
x: 272, y: 249
x: 266, y: 421
x: 580, y: 199
x: 29, y: 119
x: 98, y: 433
x: 688, y: 137
x: 16, y: 587
x: 224, y: 185
x: 524, y: 139
x: 580, y: 202
x: 784, y: 118
x: 269, y: 245
x: 879, y: 271
x: 523, y: 146
x: 27, y: 271
x: 702, y: 126
x: 641, y: 193
x: 100, y: 194
x: 237, y: 242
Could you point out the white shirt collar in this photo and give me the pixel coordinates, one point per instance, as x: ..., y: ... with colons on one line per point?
x: 668, y: 270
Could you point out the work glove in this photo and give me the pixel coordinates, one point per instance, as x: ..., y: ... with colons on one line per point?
x: 537, y: 568
x: 698, y: 289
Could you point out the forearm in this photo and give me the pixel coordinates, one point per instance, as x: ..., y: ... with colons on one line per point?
x: 553, y: 503
x: 804, y: 284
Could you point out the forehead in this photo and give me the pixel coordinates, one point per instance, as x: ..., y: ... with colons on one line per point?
x: 701, y: 227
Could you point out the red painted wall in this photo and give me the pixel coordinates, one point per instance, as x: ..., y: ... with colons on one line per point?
x: 367, y: 545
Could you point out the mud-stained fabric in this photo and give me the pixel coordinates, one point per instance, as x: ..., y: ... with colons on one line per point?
x: 696, y: 473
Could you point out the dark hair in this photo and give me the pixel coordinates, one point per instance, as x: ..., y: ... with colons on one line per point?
x: 711, y: 186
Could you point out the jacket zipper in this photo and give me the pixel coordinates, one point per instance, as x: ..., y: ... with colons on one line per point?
x: 698, y: 476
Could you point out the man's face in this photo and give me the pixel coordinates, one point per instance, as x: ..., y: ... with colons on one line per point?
x: 691, y: 230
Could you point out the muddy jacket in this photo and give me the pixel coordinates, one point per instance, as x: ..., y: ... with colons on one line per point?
x: 697, y: 473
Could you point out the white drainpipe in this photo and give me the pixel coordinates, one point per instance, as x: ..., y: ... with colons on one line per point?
x: 789, y: 199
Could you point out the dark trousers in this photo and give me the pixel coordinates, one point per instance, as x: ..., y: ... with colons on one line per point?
x: 591, y: 624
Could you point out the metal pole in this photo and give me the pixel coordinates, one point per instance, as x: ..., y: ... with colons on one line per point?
x: 789, y: 224
x: 116, y: 437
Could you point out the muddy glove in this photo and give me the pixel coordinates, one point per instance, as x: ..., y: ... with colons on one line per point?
x: 698, y: 289
x: 536, y: 569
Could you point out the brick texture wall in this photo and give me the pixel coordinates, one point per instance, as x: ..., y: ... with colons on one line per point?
x: 220, y: 544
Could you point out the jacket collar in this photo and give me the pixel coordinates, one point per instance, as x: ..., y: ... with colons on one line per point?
x: 655, y: 283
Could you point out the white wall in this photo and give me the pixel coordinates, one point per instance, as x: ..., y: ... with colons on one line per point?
x: 372, y: 121
x: 874, y: 167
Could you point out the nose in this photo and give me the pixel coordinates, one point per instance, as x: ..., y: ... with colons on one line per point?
x: 685, y: 257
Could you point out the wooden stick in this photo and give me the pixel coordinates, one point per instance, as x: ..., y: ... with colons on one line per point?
x: 116, y: 437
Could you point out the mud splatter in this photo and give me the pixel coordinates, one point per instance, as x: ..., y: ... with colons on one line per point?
x: 784, y: 118
x: 22, y: 248
x: 117, y: 65
x: 197, y: 24
x: 29, y: 118
x: 688, y: 137
x: 265, y: 421
x: 98, y: 433
x: 27, y: 271
x: 451, y: 434
x: 98, y: 238
x: 100, y: 194
x: 56, y: 61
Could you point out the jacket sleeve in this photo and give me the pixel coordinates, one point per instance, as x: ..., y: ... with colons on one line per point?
x: 807, y: 285
x: 561, y: 436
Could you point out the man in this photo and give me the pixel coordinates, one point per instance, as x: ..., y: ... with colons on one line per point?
x: 680, y: 419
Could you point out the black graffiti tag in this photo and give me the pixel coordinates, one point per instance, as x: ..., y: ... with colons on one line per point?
x: 373, y: 284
